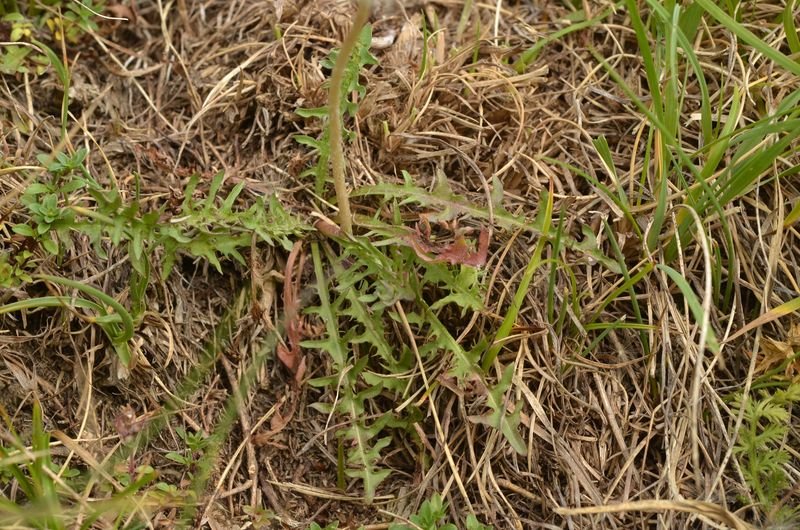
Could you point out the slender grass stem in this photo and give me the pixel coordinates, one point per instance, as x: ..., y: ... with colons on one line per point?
x: 334, y: 106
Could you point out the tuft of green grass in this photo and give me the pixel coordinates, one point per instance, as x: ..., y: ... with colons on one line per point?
x: 692, y: 178
x: 46, y: 493
x: 34, y: 473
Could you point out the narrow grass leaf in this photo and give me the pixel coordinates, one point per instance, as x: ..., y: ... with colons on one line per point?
x: 530, y: 55
x: 522, y: 290
x: 747, y: 172
x: 694, y: 304
x: 632, y: 291
x: 750, y: 38
x: 790, y: 29
x: 717, y: 149
x: 690, y: 20
x: 625, y: 286
x: 63, y: 75
x: 793, y: 216
x: 773, y: 314
x: 683, y: 27
x: 621, y: 199
x: 643, y: 40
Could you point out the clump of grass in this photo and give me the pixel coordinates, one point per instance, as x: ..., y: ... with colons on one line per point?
x: 46, y: 493
x: 33, y: 472
x: 695, y: 184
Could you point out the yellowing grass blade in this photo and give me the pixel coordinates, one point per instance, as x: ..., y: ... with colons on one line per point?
x: 793, y: 216
x: 780, y: 311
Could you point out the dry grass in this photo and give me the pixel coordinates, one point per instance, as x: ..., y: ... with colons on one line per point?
x: 617, y: 436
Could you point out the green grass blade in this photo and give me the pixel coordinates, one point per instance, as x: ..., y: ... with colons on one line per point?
x: 40, y: 468
x: 690, y: 20
x: 554, y: 268
x: 643, y: 41
x: 745, y: 174
x: 612, y: 240
x: 530, y: 55
x: 793, y: 216
x: 682, y: 28
x: 63, y: 75
x: 750, y: 38
x: 621, y: 200
x: 625, y: 286
x: 694, y: 304
x: 13, y: 468
x: 124, y: 316
x: 773, y: 314
x: 790, y: 29
x: 717, y: 149
x: 522, y: 291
